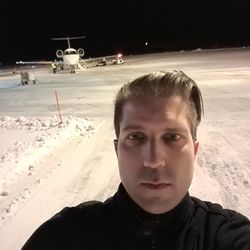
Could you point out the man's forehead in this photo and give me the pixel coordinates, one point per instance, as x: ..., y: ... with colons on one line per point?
x: 169, y: 113
x: 149, y: 104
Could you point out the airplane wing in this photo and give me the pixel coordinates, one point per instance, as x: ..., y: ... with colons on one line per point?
x: 34, y: 62
x: 102, y: 61
x: 27, y: 65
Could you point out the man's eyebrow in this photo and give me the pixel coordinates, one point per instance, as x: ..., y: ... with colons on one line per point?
x: 132, y: 127
x: 177, y: 129
x: 139, y: 127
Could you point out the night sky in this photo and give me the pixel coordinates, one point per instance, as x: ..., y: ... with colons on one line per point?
x: 112, y: 26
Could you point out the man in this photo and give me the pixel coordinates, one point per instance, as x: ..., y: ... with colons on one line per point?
x: 54, y: 66
x: 155, y: 118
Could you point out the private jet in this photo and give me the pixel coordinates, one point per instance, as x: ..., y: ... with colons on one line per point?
x: 71, y: 58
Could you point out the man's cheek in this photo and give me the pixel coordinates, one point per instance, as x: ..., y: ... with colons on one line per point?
x: 126, y: 148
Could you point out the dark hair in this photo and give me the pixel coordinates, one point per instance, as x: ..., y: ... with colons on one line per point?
x: 162, y: 84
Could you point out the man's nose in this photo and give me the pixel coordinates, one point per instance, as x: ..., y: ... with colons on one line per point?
x: 154, y: 154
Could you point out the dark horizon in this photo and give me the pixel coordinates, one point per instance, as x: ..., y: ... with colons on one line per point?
x: 115, y: 26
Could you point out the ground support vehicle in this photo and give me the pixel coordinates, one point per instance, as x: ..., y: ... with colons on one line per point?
x: 27, y: 77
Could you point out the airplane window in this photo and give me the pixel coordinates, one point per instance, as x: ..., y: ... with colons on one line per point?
x: 70, y: 53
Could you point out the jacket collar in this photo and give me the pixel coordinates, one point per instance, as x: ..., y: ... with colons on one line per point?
x: 174, y: 218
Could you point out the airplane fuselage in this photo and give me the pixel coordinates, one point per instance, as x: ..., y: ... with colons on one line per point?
x: 70, y: 57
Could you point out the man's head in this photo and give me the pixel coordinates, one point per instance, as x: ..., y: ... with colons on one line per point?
x: 156, y: 118
x: 162, y: 84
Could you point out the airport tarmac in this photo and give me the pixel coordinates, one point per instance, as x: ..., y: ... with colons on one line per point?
x: 45, y: 167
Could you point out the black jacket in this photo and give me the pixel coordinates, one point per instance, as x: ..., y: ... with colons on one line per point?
x: 119, y: 224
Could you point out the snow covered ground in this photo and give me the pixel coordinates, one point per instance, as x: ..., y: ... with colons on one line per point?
x: 46, y: 165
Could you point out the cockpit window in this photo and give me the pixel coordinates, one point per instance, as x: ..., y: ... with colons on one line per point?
x: 71, y: 52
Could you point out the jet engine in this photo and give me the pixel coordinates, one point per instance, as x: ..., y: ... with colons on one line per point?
x: 80, y: 52
x: 59, y: 53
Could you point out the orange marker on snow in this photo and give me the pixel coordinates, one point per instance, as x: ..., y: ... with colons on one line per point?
x: 58, y: 107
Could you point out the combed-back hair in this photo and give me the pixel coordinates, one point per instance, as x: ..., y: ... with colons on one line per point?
x: 162, y: 84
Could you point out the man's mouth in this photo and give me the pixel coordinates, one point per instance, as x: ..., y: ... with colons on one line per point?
x: 151, y: 185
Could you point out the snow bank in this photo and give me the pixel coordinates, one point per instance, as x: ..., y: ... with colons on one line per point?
x: 24, y: 141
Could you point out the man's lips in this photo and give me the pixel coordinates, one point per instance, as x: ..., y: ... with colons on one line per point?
x: 152, y: 185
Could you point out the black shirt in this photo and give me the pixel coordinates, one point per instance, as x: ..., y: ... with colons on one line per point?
x: 120, y: 224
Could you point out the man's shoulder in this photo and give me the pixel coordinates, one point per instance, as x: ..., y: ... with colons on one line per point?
x: 229, y: 229
x: 217, y: 210
x: 69, y: 225
x: 83, y: 210
x: 78, y: 215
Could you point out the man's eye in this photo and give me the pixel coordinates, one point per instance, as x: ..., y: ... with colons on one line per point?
x: 136, y: 137
x: 171, y: 137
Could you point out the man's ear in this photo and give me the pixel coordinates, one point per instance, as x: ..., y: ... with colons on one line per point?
x: 115, y: 145
x: 196, y: 147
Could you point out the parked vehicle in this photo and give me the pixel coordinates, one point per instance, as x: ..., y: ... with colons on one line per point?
x: 27, y: 77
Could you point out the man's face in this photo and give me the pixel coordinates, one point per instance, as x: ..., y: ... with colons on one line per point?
x: 156, y: 152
